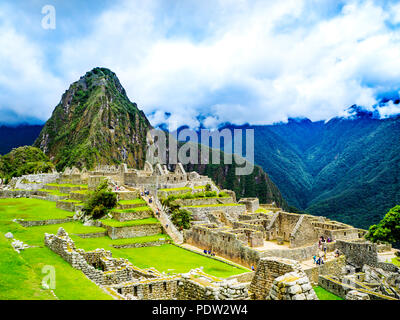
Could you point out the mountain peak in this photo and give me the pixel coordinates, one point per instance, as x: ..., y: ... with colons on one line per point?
x: 95, y: 123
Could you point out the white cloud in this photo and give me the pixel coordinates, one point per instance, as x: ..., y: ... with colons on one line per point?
x: 241, y: 61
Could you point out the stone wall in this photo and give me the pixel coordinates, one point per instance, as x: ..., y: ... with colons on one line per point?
x: 201, y: 213
x: 332, y: 267
x: 204, y: 201
x: 140, y: 244
x: 43, y: 222
x: 299, y: 254
x: 128, y: 216
x: 223, y: 243
x: 267, y: 270
x: 252, y: 204
x: 157, y: 289
x: 292, y: 286
x: 141, y: 230
x: 303, y: 233
x: 359, y: 253
x: 341, y: 289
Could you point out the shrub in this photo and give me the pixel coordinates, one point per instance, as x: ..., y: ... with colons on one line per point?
x: 388, y: 229
x: 181, y: 218
x: 210, y: 194
x: 100, y: 202
x: 208, y: 187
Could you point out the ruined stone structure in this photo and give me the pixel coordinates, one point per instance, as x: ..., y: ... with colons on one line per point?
x: 125, y: 281
x: 280, y: 279
x: 275, y: 242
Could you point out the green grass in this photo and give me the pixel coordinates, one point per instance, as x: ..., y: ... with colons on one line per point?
x: 118, y: 224
x: 54, y: 192
x: 324, y: 294
x: 21, y: 276
x: 134, y: 201
x: 396, y: 261
x: 90, y: 244
x: 215, y: 205
x: 71, y: 200
x: 71, y: 284
x: 68, y: 185
x: 18, y: 280
x: 81, y: 191
x: 176, y: 189
x: 35, y: 235
x: 31, y: 210
x: 170, y: 258
x: 145, y: 208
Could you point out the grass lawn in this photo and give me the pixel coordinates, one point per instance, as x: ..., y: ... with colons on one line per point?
x: 35, y: 235
x: 82, y: 186
x: 21, y: 276
x: 396, y: 261
x: 134, y: 201
x: 323, y: 294
x: 71, y: 201
x: 145, y: 208
x: 18, y: 280
x: 176, y: 189
x: 170, y: 258
x: 54, y: 192
x: 31, y: 210
x: 90, y: 244
x: 215, y: 205
x: 117, y: 224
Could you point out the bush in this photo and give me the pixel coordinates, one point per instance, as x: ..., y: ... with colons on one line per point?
x: 388, y: 229
x: 208, y: 187
x: 223, y: 194
x: 210, y: 194
x: 181, y: 218
x: 100, y: 202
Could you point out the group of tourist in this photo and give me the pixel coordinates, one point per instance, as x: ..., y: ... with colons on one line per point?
x: 209, y: 252
x: 323, y: 247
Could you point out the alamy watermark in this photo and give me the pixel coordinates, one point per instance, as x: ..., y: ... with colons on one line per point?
x: 49, y: 280
x: 193, y: 147
x: 49, y: 19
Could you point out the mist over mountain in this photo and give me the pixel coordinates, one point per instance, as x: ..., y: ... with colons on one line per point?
x: 95, y: 123
x: 347, y: 168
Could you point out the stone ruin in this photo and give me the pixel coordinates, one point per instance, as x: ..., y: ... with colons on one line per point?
x: 125, y: 281
x: 280, y: 279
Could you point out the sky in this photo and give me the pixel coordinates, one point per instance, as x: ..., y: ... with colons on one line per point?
x: 186, y: 61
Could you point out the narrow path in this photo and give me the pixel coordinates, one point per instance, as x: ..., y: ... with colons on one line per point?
x: 169, y: 227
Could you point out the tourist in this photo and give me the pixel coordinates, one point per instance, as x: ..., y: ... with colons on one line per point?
x: 324, y: 247
x: 252, y: 268
x: 329, y: 239
x: 166, y: 226
x: 337, y: 253
x: 315, y: 259
x: 209, y: 251
x: 205, y: 251
x: 320, y: 243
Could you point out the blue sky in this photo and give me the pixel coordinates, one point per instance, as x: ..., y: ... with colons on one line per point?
x: 236, y: 61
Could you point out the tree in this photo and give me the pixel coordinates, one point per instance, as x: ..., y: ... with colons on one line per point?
x: 388, y: 229
x: 100, y: 202
x: 181, y: 218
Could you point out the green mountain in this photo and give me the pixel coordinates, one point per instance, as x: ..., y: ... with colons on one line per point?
x: 24, y: 160
x: 95, y: 123
x: 345, y: 169
x: 257, y: 184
